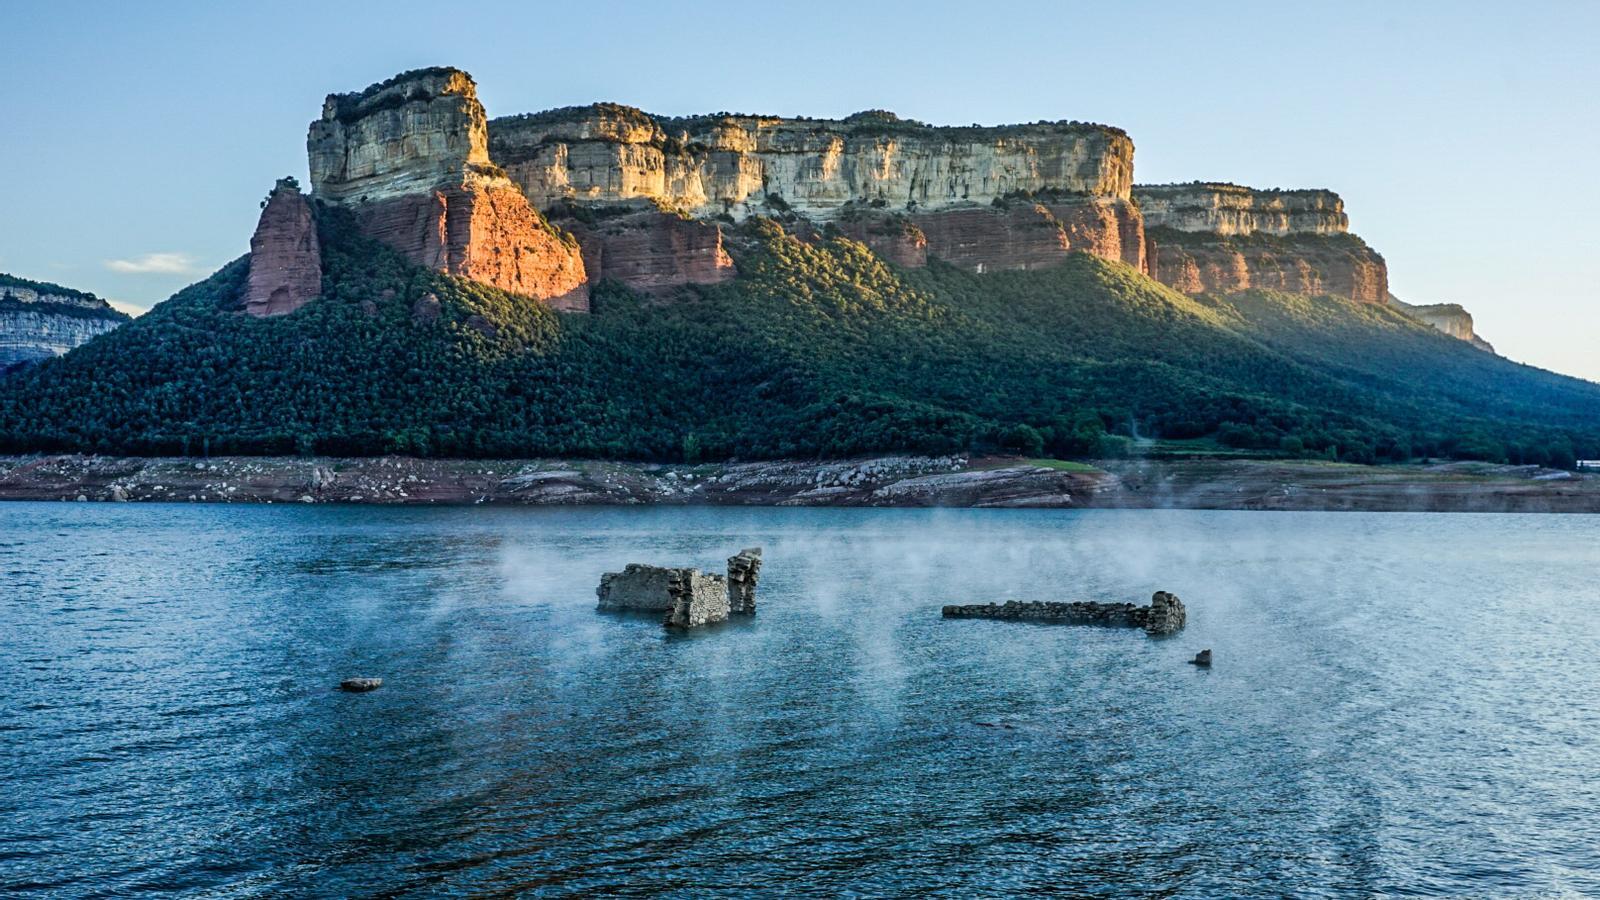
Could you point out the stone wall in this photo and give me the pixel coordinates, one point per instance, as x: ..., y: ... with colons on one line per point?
x: 697, y: 599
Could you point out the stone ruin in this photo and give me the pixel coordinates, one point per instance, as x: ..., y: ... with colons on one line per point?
x: 1164, y: 615
x: 690, y: 598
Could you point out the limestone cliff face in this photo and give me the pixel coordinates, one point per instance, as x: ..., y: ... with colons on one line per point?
x: 409, y: 157
x: 1008, y: 197
x: 1205, y: 237
x: 1230, y: 209
x: 39, y: 320
x: 1449, y: 318
x: 285, y: 255
x: 817, y: 168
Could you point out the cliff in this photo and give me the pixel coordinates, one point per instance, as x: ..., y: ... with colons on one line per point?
x: 39, y: 320
x: 1219, y: 238
x: 409, y: 156
x: 285, y: 254
x: 1230, y: 209
x: 1449, y: 318
x: 739, y: 165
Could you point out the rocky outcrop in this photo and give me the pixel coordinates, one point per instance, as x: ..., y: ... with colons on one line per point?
x: 1338, y: 264
x: 285, y: 255
x: 1164, y: 615
x: 1231, y: 209
x: 1449, y: 318
x: 651, y: 251
x: 1207, y: 237
x: 40, y: 320
x: 409, y: 156
x: 739, y: 165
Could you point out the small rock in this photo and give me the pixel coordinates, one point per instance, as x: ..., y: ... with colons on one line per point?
x: 1203, y: 658
x: 360, y: 685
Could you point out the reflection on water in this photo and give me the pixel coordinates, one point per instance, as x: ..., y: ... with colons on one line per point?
x: 1400, y: 703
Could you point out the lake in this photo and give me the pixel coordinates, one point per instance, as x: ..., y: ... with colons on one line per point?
x: 1400, y: 704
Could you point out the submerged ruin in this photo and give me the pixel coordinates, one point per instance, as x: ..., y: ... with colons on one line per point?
x: 690, y: 598
x: 1164, y: 615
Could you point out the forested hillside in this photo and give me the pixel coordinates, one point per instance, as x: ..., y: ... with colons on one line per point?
x: 817, y: 348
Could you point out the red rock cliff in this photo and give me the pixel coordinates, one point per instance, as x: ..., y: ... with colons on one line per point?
x: 285, y: 256
x: 652, y: 251
x: 1211, y: 237
x: 410, y: 157
x: 1342, y: 264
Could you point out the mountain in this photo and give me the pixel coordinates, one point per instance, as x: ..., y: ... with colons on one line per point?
x: 39, y: 320
x: 600, y: 282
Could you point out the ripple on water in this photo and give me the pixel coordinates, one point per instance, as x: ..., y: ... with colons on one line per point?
x: 1400, y: 704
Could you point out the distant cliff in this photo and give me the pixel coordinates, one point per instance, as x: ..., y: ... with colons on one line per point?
x: 1210, y: 237
x: 549, y: 204
x: 39, y: 320
x: 1450, y: 318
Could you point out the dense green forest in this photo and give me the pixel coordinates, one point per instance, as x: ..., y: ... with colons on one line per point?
x: 816, y: 349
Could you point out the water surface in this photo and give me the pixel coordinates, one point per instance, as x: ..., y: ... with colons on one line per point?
x: 1401, y: 704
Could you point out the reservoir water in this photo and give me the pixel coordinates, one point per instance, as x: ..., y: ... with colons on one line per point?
x: 1401, y: 704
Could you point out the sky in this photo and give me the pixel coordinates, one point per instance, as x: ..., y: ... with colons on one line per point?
x: 139, y: 138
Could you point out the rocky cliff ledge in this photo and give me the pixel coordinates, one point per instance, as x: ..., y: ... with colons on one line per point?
x: 1229, y: 209
x: 1204, y: 237
x: 984, y: 198
x: 410, y: 157
x: 39, y: 320
x: 1450, y: 318
x: 1338, y: 264
x: 644, y: 199
x: 741, y: 165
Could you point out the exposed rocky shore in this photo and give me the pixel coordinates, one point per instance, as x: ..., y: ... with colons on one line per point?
x: 910, y: 481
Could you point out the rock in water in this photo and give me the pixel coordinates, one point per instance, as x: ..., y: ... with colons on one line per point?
x: 1203, y: 658
x: 744, y: 570
x: 360, y: 685
x: 1164, y: 615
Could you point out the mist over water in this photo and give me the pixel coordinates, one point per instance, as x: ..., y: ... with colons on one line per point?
x: 1401, y: 703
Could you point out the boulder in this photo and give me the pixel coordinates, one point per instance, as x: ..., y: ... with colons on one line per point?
x: 360, y: 685
x: 1203, y: 658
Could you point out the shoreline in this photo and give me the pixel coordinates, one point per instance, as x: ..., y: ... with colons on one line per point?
x: 885, y: 481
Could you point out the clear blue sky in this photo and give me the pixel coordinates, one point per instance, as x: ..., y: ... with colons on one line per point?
x: 1464, y: 136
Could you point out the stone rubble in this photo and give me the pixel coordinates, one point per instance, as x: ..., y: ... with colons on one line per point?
x: 688, y: 597
x: 1164, y: 615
